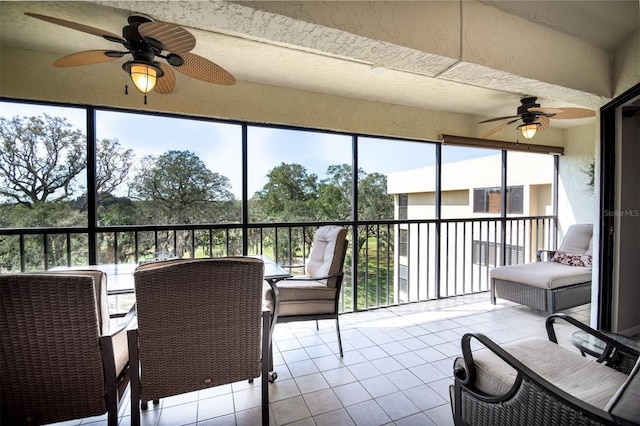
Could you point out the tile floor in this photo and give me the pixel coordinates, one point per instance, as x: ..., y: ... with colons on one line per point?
x: 396, y: 369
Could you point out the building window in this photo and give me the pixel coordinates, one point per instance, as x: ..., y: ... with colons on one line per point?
x: 403, y: 203
x: 487, y: 253
x: 404, y: 243
x: 487, y: 200
x: 403, y: 283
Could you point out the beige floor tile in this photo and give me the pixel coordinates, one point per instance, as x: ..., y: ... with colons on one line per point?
x: 397, y: 368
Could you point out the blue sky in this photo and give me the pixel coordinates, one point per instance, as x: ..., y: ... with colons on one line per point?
x: 219, y: 144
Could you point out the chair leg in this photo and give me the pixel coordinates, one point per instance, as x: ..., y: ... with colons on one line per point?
x: 339, y: 339
x: 265, y: 365
x: 134, y: 371
x: 270, y: 356
x: 317, y: 326
x: 106, y: 347
x: 492, y: 294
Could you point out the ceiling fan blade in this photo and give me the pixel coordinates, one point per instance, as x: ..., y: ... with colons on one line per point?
x: 196, y: 66
x: 87, y: 57
x: 167, y: 82
x: 495, y: 130
x: 545, y: 110
x: 173, y: 37
x: 498, y: 119
x: 500, y: 127
x: 571, y: 113
x: 544, y: 122
x: 79, y: 27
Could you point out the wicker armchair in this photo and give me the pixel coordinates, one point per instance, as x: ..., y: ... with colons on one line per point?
x: 538, y: 382
x: 200, y: 325
x: 59, y: 360
x: 315, y: 295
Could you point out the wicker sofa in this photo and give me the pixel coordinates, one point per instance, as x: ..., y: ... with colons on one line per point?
x: 561, y: 282
x: 538, y: 382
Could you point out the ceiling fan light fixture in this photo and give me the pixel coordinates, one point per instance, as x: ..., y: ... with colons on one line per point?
x: 143, y: 77
x: 529, y: 130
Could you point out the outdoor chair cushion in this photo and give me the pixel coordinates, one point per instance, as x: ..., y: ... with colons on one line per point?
x: 543, y: 274
x: 625, y: 402
x: 321, y: 259
x: 578, y: 239
x: 583, y: 378
x: 302, y: 297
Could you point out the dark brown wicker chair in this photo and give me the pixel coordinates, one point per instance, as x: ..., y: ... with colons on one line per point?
x: 200, y: 325
x: 315, y: 295
x: 538, y: 382
x: 57, y: 360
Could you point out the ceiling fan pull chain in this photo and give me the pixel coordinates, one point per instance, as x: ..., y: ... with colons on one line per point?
x: 145, y: 99
x: 126, y: 89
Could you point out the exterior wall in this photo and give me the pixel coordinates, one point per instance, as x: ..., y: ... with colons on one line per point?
x: 470, y: 248
x: 459, y: 179
x: 577, y: 202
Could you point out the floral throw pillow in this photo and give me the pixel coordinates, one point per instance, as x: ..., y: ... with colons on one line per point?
x: 572, y: 259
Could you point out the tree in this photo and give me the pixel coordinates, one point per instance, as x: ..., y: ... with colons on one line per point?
x: 39, y: 159
x: 177, y: 188
x: 112, y: 166
x: 289, y: 195
x: 180, y: 189
x: 336, y: 193
x: 373, y: 201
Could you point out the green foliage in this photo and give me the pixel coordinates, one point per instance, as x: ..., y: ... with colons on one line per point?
x: 374, y: 202
x: 42, y: 159
x: 589, y: 169
x: 293, y: 195
x: 177, y: 187
x: 112, y: 167
x: 39, y: 159
x: 288, y: 196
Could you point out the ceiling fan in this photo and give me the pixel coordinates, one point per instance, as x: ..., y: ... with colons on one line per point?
x: 146, y: 40
x: 534, y: 117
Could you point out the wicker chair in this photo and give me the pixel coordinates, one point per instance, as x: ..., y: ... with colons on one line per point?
x: 59, y: 361
x: 200, y: 325
x: 315, y: 295
x: 538, y: 382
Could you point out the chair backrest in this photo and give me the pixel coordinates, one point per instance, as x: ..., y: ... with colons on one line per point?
x: 327, y: 253
x: 577, y: 240
x: 199, y: 324
x: 100, y: 288
x: 50, y: 364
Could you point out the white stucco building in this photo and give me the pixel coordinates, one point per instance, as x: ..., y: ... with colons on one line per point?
x: 471, y: 190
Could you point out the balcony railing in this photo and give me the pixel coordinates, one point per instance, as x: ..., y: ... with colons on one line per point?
x: 388, y: 262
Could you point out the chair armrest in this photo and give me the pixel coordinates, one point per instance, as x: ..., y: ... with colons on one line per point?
x: 306, y: 278
x: 464, y: 379
x: 128, y: 321
x: 613, y: 349
x: 549, y: 253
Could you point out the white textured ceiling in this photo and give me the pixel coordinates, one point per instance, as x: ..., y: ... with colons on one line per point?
x: 266, y: 47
